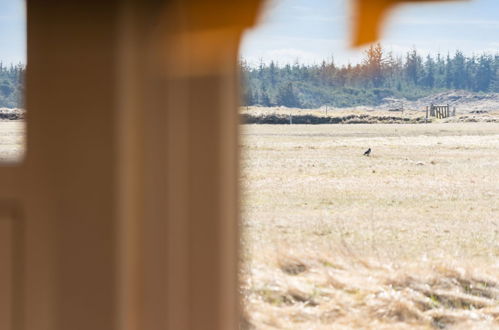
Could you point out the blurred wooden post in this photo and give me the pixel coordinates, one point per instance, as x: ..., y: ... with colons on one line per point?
x: 426, y: 112
x: 128, y: 192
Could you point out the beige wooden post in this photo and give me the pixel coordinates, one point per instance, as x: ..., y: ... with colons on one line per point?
x: 123, y: 215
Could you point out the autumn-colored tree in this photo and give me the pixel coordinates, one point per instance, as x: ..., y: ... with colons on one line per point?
x: 373, y: 64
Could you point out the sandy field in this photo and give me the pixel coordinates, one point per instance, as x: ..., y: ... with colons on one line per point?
x: 405, y: 238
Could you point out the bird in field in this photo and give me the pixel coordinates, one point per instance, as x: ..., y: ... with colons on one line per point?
x: 367, y: 152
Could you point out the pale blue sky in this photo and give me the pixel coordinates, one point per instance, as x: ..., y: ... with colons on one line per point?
x: 12, y: 31
x: 312, y: 30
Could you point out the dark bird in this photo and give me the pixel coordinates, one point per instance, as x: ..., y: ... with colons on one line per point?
x: 368, y: 152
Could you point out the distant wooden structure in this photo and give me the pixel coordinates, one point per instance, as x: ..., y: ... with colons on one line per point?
x: 439, y: 111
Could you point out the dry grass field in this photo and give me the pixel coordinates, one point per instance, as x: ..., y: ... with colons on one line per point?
x: 11, y: 140
x: 406, y: 238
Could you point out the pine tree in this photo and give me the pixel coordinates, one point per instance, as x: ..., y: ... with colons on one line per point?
x: 249, y: 97
x: 273, y: 73
x: 429, y: 79
x: 413, y: 67
x: 373, y: 64
x: 265, y: 99
x: 485, y: 75
x: 458, y: 71
x: 286, y: 96
x: 448, y: 72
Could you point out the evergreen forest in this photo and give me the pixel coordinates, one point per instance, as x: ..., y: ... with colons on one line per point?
x: 380, y: 75
x: 11, y: 86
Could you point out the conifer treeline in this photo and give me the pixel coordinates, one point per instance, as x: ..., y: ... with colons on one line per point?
x: 11, y: 86
x: 378, y: 76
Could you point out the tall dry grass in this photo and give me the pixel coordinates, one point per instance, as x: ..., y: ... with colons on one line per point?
x: 339, y: 290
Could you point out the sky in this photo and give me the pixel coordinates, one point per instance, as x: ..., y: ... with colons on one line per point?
x: 12, y: 31
x: 313, y: 30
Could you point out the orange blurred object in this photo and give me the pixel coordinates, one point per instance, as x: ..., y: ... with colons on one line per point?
x: 369, y: 15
